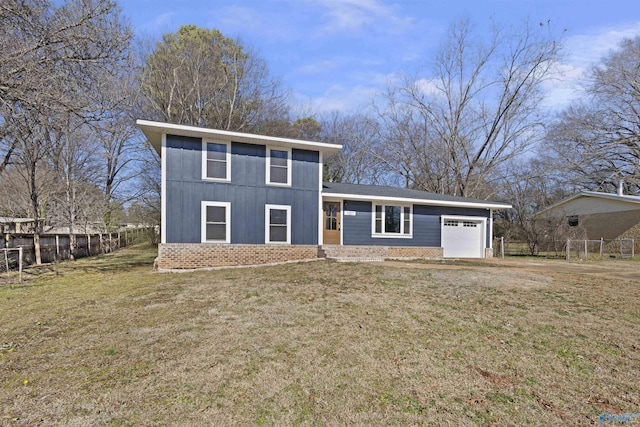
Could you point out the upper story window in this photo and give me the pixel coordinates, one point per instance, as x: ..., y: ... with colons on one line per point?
x: 216, y: 161
x: 392, y: 221
x: 216, y: 222
x: 278, y: 166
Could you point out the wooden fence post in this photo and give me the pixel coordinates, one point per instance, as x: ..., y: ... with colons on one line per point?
x: 20, y: 264
x: 568, y: 248
x: 58, y: 248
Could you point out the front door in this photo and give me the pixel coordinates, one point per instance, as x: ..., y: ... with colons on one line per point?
x: 332, y: 219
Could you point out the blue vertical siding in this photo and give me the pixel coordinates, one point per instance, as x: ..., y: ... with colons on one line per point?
x: 247, y: 192
x: 426, y: 225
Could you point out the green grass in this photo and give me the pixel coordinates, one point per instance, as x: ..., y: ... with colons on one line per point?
x: 107, y: 341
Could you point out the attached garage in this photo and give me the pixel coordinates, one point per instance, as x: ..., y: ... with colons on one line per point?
x: 405, y: 223
x: 463, y: 237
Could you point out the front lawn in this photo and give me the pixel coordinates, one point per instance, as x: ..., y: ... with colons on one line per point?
x: 107, y: 341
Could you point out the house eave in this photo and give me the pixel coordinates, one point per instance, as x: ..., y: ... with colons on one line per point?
x: 592, y: 194
x: 427, y: 202
x: 154, y: 131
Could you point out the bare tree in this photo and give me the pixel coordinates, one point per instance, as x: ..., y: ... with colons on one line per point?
x: 596, y: 141
x: 147, y: 202
x: 32, y: 138
x: 529, y: 186
x: 451, y: 131
x: 118, y: 142
x: 50, y: 51
x: 75, y: 162
x: 52, y: 56
x: 355, y: 163
x: 200, y: 77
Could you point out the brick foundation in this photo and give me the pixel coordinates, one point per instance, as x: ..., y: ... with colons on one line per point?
x: 203, y: 255
x: 380, y: 252
x: 177, y: 256
x: 398, y: 252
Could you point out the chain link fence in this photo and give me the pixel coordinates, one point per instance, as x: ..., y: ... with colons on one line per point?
x: 569, y: 249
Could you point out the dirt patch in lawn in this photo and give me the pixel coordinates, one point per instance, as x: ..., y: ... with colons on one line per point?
x: 318, y: 344
x: 608, y: 269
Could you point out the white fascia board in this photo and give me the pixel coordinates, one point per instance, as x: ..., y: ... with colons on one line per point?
x: 624, y: 198
x: 427, y: 202
x: 163, y: 192
x: 320, y: 206
x: 154, y: 130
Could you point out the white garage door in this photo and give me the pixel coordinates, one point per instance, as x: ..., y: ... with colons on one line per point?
x: 463, y: 238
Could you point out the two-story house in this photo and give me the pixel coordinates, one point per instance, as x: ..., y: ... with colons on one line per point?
x: 232, y: 198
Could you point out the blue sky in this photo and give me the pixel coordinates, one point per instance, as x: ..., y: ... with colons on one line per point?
x: 336, y: 54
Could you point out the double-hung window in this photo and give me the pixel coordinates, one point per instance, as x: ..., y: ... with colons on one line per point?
x: 392, y: 221
x: 216, y: 222
x: 278, y: 166
x: 277, y: 224
x: 216, y: 161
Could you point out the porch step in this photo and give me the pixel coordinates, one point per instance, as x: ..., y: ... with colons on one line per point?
x: 352, y: 253
x: 357, y: 259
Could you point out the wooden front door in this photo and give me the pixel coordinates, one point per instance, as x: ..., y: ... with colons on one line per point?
x: 332, y: 220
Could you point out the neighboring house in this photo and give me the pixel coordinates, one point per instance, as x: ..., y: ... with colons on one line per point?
x: 16, y: 225
x: 232, y: 198
x: 594, y: 215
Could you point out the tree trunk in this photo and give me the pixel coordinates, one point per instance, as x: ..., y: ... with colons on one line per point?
x: 35, y: 204
x: 36, y: 247
x: 72, y: 245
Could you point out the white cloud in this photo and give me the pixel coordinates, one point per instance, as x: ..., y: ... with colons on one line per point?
x: 429, y: 87
x: 357, y: 93
x: 343, y: 98
x: 354, y: 15
x: 322, y: 66
x: 587, y: 49
x: 583, y: 52
x: 245, y: 20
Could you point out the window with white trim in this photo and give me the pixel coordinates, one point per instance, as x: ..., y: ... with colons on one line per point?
x: 278, y: 166
x: 216, y: 160
x: 392, y: 221
x: 216, y: 222
x: 277, y: 224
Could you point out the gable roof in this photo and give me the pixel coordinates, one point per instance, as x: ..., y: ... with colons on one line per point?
x: 404, y: 195
x: 634, y: 200
x: 154, y: 131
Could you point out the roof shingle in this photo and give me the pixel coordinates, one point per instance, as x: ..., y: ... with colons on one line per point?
x: 404, y: 193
